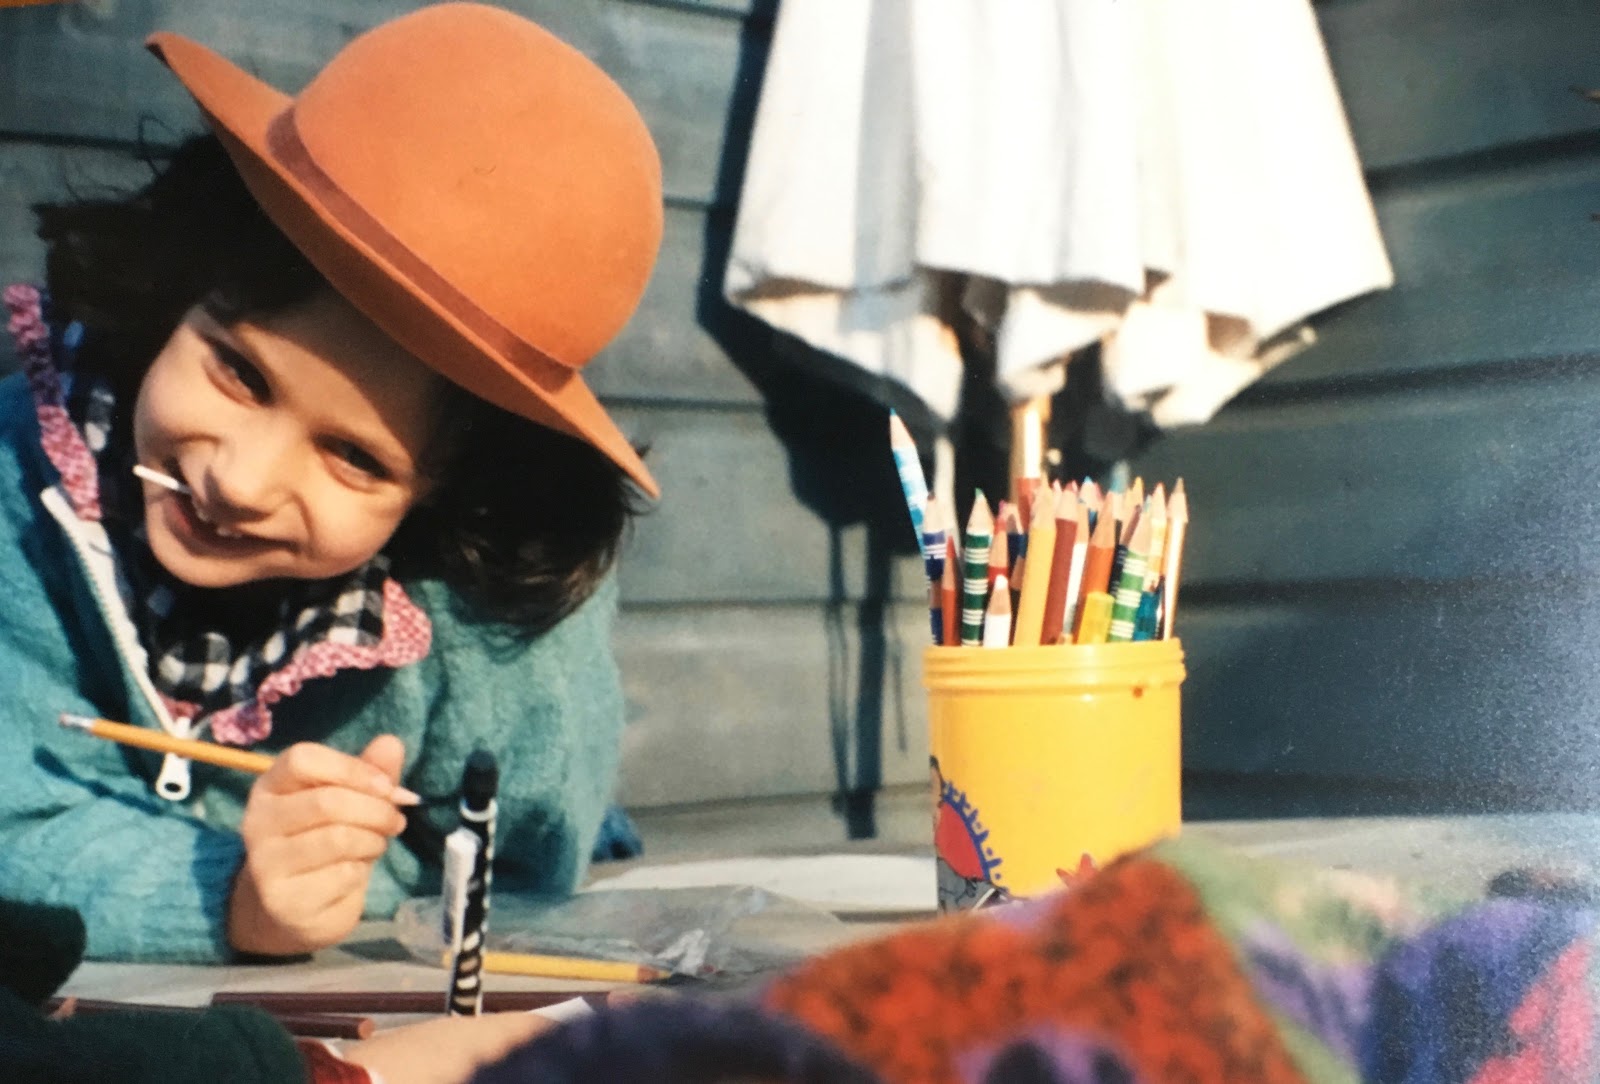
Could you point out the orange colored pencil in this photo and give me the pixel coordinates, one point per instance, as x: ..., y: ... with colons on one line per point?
x: 950, y: 595
x: 1069, y: 514
x: 1097, y: 562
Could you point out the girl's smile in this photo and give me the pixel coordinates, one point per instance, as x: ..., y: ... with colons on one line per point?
x: 297, y: 437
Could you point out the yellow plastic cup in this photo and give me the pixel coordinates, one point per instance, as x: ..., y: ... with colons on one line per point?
x: 1049, y: 761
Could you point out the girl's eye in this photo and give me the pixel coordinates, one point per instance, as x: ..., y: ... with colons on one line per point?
x: 360, y: 459
x: 237, y: 369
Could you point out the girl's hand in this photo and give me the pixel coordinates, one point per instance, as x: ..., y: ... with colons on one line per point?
x: 313, y: 826
x: 447, y: 1050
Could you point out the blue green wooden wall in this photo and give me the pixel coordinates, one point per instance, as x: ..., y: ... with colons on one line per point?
x: 1393, y: 575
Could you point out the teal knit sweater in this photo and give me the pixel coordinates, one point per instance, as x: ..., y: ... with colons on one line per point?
x: 80, y: 826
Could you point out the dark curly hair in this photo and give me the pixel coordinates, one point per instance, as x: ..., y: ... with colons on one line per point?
x: 523, y: 521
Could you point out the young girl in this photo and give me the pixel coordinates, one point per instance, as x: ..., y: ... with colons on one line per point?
x: 376, y: 504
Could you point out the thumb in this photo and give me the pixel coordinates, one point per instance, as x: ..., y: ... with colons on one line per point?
x: 387, y: 753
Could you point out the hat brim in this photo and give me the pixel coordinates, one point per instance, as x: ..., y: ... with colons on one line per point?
x: 241, y: 110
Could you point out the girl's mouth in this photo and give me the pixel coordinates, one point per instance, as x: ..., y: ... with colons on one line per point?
x: 190, y: 522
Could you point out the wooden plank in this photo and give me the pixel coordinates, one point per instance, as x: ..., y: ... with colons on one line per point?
x: 1481, y: 480
x: 1431, y: 79
x: 79, y: 71
x: 738, y: 702
x: 1493, y: 686
x: 1449, y: 690
x: 1491, y: 266
x: 744, y: 517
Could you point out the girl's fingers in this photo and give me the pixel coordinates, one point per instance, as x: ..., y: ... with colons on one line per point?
x: 300, y: 811
x: 320, y: 850
x: 308, y: 764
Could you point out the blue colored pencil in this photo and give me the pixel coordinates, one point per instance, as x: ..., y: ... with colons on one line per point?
x: 933, y: 534
x: 909, y: 467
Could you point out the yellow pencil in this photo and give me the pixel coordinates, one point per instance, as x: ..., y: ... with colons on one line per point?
x: 206, y: 752
x: 223, y: 756
x: 569, y: 967
x: 1096, y: 624
x: 1036, y: 572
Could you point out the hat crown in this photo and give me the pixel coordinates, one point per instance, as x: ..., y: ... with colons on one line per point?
x: 503, y: 160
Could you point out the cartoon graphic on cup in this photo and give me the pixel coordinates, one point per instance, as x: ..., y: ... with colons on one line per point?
x: 968, y: 869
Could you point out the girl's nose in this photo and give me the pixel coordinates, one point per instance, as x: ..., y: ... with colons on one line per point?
x: 250, y: 473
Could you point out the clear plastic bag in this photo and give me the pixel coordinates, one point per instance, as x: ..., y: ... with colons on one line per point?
x: 703, y: 932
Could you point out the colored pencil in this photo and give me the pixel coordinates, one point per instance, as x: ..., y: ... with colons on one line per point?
x: 1172, y: 563
x: 223, y: 756
x: 1069, y: 520
x: 1130, y: 586
x: 906, y: 464
x: 933, y: 540
x: 936, y: 611
x: 1132, y: 513
x: 303, y: 1024
x: 379, y: 1002
x: 1026, y: 488
x: 1036, y: 574
x: 1080, y: 554
x: 950, y: 597
x: 997, y: 618
x: 1158, y: 544
x: 975, y: 565
x: 1096, y: 618
x: 1144, y: 620
x: 1016, y: 539
x: 569, y: 967
x: 999, y: 554
x: 1097, y: 564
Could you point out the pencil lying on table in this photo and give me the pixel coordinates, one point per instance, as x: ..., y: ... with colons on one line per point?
x: 568, y: 967
x: 304, y: 1025
x: 393, y: 1001
x: 223, y: 756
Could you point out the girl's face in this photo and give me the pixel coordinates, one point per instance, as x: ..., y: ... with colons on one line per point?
x: 299, y: 434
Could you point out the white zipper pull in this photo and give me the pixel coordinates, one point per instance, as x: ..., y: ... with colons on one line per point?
x: 173, y: 782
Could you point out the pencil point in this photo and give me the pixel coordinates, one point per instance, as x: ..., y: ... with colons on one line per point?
x: 74, y: 722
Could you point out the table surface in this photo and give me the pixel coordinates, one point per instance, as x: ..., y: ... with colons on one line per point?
x: 1456, y: 853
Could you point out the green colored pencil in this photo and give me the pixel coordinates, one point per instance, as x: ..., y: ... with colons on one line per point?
x: 975, y: 571
x: 1129, y: 588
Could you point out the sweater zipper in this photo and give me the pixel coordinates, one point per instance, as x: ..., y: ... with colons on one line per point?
x: 93, y: 547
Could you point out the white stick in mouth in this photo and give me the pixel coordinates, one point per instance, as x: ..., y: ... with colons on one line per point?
x: 160, y: 479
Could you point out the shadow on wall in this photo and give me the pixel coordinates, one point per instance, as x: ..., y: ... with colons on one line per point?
x: 839, y: 467
x: 832, y: 420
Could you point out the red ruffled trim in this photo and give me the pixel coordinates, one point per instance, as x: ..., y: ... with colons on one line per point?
x: 407, y: 635
x: 60, y: 439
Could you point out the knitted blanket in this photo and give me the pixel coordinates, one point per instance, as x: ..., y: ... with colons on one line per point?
x: 1183, y: 963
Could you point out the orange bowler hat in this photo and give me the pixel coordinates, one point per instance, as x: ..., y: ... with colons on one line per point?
x: 481, y: 190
